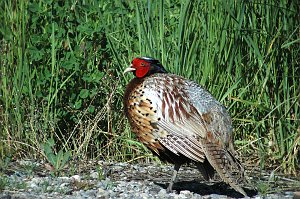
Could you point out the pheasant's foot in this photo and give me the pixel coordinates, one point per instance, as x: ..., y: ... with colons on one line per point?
x: 169, y: 189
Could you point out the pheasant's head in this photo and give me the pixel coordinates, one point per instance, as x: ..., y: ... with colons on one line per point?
x: 145, y: 66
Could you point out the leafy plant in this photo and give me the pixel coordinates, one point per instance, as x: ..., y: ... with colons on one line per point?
x: 57, y: 160
x: 4, y: 163
x: 62, y: 62
x: 29, y: 168
x: 3, y: 182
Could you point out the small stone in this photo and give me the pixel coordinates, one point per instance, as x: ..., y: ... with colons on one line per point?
x: 185, y: 192
x: 101, y: 193
x: 64, y: 179
x: 76, y: 178
x: 63, y: 185
x: 144, y: 195
x: 162, y: 192
x: 100, y: 190
x: 217, y: 196
x: 33, y: 185
x: 36, y: 180
x: 94, y: 175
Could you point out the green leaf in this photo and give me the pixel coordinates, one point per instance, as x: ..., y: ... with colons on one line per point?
x: 50, y: 142
x: 52, y: 159
x: 65, y: 158
x: 84, y: 93
x: 78, y: 104
x: 91, y: 109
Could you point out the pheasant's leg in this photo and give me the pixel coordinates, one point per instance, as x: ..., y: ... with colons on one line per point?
x: 176, y: 169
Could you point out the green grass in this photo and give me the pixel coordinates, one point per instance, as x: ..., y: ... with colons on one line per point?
x: 62, y: 62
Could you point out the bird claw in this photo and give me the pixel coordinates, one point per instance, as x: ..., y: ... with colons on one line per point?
x: 170, y: 188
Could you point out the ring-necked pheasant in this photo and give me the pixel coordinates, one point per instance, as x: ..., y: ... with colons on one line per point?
x: 180, y: 122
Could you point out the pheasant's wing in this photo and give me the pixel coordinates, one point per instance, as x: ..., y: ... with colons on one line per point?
x: 156, y: 123
x: 176, y: 124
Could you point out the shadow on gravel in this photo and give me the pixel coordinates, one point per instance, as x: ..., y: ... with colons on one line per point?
x: 220, y: 188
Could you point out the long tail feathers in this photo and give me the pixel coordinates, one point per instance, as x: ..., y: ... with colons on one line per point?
x: 224, y: 162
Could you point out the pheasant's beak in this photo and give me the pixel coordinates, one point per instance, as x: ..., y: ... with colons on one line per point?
x: 129, y: 69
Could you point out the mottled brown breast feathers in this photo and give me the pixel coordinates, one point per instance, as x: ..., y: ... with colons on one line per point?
x: 141, y: 114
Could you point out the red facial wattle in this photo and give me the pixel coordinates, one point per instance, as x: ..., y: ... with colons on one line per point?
x: 142, y: 67
x: 142, y: 71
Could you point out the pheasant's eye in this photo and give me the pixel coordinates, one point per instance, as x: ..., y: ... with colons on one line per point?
x: 142, y: 64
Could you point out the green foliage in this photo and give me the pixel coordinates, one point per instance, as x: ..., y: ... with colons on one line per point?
x: 3, y: 182
x: 62, y: 62
x: 4, y: 163
x: 57, y: 160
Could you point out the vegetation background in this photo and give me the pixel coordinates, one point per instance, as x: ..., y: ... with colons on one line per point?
x: 61, y: 83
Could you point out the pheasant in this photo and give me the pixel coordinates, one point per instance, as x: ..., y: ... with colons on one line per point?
x: 180, y: 122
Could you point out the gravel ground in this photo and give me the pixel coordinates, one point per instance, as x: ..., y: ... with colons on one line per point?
x: 29, y: 179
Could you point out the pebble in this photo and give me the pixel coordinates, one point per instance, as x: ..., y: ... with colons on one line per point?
x: 76, y: 178
x: 94, y: 175
x: 162, y: 192
x: 63, y: 185
x: 124, y: 181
